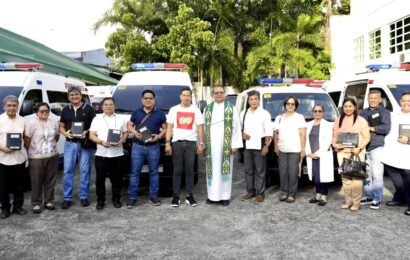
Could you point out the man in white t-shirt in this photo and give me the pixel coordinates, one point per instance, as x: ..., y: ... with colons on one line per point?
x: 108, y: 156
x: 185, y: 125
x: 257, y: 133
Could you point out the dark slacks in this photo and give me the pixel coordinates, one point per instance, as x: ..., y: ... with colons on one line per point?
x: 322, y: 188
x: 111, y: 167
x: 43, y: 175
x: 12, y: 181
x: 289, y: 173
x: 183, y: 158
x: 401, y: 181
x: 255, y: 171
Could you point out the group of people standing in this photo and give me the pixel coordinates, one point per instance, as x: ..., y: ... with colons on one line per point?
x: 217, y: 134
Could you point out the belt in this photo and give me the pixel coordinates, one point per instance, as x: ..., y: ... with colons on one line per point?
x: 185, y: 141
x: 146, y: 144
x: 73, y: 140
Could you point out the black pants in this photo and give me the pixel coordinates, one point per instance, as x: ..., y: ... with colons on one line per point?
x: 401, y: 181
x: 112, y: 167
x: 183, y: 157
x: 12, y: 181
x: 321, y: 187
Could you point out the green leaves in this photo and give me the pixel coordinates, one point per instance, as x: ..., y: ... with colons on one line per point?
x: 230, y: 42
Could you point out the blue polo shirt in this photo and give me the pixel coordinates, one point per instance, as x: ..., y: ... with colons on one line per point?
x: 153, y: 122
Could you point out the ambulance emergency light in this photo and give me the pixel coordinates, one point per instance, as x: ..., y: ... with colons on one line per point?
x: 153, y: 66
x: 284, y: 81
x: 14, y: 65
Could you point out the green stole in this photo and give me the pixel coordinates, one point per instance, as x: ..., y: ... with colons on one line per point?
x: 226, y: 155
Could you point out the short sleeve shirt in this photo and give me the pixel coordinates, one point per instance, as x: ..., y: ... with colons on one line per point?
x: 15, y: 125
x: 153, y: 122
x: 348, y: 127
x: 289, y: 134
x: 85, y: 114
x: 43, y: 143
x: 101, y: 124
x: 186, y: 121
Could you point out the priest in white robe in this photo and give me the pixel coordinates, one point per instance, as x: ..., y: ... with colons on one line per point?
x: 222, y: 139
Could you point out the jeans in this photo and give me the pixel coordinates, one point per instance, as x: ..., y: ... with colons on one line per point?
x: 138, y: 155
x: 255, y: 171
x: 183, y: 157
x: 73, y: 153
x: 373, y: 187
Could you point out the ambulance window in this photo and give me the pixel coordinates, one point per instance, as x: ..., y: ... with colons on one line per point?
x: 386, y: 103
x: 357, y: 92
x: 34, y: 95
x: 57, y: 100
x: 335, y: 97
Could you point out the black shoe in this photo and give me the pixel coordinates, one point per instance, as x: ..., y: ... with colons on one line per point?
x: 322, y: 202
x: 66, y: 204
x: 191, y: 201
x: 131, y: 204
x: 313, y: 200
x: 175, y: 201
x: 100, y: 205
x: 117, y: 204
x: 407, y: 212
x: 5, y: 213
x: 375, y: 205
x: 85, y: 203
x: 225, y: 203
x: 19, y: 211
x: 208, y: 201
x: 393, y: 203
x: 366, y: 201
x: 155, y: 201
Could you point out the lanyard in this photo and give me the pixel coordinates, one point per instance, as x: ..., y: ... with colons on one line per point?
x: 115, y: 121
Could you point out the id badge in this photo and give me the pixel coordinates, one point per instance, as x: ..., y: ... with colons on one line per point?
x: 46, y: 148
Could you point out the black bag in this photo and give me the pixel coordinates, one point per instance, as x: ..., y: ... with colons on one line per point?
x: 353, y: 167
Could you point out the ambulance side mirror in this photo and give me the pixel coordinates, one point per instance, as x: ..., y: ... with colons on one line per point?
x: 27, y: 108
x: 202, y: 104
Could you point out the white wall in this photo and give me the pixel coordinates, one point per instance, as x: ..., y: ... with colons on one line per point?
x: 366, y: 16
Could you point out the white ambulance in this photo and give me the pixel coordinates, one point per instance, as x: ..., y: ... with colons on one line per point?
x: 390, y: 80
x: 31, y: 86
x: 97, y: 94
x: 166, y: 80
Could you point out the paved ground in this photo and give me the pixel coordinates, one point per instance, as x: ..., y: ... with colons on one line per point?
x: 244, y: 230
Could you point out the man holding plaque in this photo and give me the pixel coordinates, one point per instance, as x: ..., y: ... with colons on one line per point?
x: 109, y: 132
x: 76, y: 117
x: 12, y: 158
x: 148, y: 124
x: 378, y: 119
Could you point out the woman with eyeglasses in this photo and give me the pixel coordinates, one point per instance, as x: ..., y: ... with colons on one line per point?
x: 351, y: 122
x: 290, y: 140
x: 40, y: 138
x: 319, y: 154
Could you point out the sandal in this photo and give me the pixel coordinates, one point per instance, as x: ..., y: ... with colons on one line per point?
x: 36, y: 209
x: 50, y: 206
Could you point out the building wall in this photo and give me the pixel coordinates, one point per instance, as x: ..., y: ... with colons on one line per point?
x: 347, y: 32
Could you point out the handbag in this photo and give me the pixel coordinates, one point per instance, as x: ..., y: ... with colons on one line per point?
x: 354, y: 167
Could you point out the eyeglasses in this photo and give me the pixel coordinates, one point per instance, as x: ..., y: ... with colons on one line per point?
x: 44, y: 111
x: 148, y: 98
x: 291, y: 104
x: 317, y: 111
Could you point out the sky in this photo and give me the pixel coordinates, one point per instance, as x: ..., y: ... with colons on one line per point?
x: 62, y: 25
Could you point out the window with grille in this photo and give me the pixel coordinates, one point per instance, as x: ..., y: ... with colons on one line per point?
x: 359, y: 49
x: 375, y: 46
x: 400, y: 35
